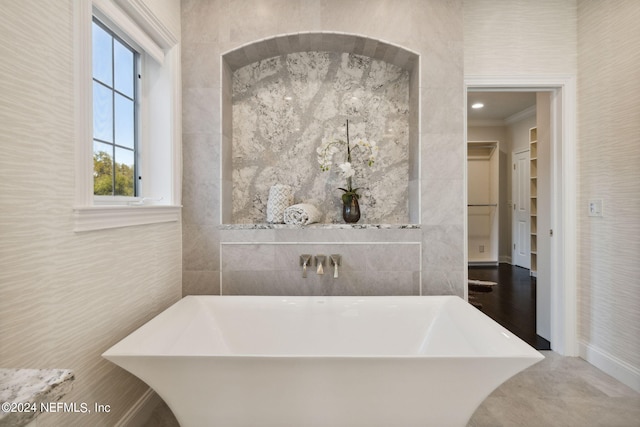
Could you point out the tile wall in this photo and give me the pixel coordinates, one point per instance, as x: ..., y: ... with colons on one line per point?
x: 432, y: 29
x: 375, y: 268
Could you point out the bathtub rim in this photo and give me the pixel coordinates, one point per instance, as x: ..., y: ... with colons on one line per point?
x: 526, y: 352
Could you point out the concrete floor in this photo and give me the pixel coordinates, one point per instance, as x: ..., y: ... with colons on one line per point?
x: 558, y: 391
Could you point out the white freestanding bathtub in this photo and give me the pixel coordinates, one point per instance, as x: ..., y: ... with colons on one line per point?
x: 225, y: 361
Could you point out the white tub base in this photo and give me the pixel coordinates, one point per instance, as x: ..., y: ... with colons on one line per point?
x: 322, y: 361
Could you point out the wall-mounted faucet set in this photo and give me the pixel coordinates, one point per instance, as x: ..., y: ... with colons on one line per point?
x: 306, y: 260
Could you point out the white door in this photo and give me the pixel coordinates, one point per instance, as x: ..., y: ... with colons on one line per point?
x: 521, y: 255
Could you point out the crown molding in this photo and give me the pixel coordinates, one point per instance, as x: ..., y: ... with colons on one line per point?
x: 527, y: 112
x: 157, y: 29
x: 486, y: 123
x: 521, y: 115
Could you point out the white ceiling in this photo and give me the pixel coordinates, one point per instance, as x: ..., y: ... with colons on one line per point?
x: 498, y: 106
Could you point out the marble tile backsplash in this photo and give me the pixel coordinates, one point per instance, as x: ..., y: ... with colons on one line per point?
x: 284, y: 106
x: 376, y: 268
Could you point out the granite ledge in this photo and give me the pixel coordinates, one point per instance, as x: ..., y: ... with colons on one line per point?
x: 317, y: 226
x: 31, y: 386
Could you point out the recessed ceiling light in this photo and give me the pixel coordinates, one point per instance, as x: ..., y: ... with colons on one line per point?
x: 288, y: 98
x: 477, y: 105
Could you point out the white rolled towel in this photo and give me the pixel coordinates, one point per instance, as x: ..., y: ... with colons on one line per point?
x: 301, y: 214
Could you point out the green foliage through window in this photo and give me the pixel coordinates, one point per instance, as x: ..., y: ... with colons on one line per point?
x: 103, y: 176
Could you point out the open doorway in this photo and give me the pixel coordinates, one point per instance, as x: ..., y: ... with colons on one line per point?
x: 563, y: 184
x: 502, y: 207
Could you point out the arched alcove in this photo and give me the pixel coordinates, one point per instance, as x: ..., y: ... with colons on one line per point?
x: 262, y: 61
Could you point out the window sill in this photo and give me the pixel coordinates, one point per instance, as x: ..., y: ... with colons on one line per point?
x: 91, y: 218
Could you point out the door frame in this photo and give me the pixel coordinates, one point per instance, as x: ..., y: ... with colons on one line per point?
x: 563, y: 169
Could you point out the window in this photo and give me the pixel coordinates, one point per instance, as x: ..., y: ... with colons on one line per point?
x: 128, y: 156
x: 115, y: 68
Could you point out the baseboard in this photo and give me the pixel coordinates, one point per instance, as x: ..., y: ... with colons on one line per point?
x: 618, y: 369
x: 505, y: 259
x: 140, y: 412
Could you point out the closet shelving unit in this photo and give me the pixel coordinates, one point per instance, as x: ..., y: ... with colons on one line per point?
x: 533, y: 194
x: 483, y: 201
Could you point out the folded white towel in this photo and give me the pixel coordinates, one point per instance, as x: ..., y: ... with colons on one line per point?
x: 301, y: 214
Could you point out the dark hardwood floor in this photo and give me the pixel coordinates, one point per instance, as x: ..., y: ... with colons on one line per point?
x: 512, y: 303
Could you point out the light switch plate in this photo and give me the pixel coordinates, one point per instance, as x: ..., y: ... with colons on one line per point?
x: 595, y: 207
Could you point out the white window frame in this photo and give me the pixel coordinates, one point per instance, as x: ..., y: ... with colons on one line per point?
x: 115, y: 142
x: 160, y: 105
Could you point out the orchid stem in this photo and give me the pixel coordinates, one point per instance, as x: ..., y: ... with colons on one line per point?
x: 348, y: 144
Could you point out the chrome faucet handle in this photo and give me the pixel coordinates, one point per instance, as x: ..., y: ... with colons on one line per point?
x: 305, y: 260
x: 320, y: 264
x: 336, y: 260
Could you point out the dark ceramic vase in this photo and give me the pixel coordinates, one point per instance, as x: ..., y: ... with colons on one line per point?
x: 351, y: 210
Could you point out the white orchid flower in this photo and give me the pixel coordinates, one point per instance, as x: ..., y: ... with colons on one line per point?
x: 347, y: 170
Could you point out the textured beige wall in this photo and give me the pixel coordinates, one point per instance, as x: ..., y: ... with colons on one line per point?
x: 431, y: 28
x: 65, y: 297
x: 609, y: 163
x: 519, y: 37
